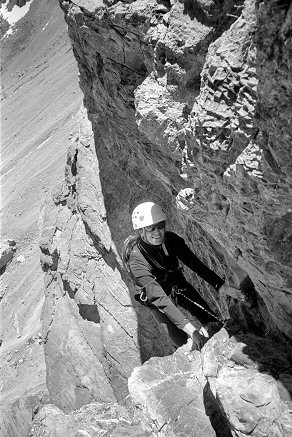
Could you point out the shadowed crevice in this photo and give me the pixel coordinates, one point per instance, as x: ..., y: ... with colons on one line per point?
x: 89, y: 312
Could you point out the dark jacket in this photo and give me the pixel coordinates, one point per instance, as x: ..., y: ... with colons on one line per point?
x: 157, y: 282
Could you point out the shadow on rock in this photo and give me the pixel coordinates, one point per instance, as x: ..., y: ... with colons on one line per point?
x: 216, y: 416
x: 89, y: 312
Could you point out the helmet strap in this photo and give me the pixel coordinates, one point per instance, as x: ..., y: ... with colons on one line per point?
x: 143, y: 234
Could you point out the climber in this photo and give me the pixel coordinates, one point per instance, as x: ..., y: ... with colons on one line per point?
x: 154, y: 265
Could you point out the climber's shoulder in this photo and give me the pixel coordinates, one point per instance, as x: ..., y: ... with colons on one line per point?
x: 173, y: 238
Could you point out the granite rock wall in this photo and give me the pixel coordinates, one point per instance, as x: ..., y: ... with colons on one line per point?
x: 188, y: 104
x: 179, y: 95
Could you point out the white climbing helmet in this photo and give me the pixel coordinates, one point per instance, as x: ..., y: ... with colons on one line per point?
x: 147, y: 214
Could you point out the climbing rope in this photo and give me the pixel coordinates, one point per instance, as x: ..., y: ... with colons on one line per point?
x: 176, y: 291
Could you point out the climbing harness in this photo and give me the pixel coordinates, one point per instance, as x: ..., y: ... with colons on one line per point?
x: 141, y: 297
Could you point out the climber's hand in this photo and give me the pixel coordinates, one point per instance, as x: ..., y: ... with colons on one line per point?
x: 203, y: 331
x: 199, y: 339
x: 231, y: 290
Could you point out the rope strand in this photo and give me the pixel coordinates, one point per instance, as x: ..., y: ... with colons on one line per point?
x: 178, y: 291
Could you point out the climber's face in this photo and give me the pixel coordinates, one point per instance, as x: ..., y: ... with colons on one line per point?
x: 154, y: 234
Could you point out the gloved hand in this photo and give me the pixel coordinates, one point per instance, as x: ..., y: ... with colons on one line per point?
x: 199, y: 338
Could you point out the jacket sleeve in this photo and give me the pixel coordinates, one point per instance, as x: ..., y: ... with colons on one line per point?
x: 155, y: 293
x: 184, y: 253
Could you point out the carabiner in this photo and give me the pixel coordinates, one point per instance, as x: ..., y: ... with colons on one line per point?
x: 143, y: 296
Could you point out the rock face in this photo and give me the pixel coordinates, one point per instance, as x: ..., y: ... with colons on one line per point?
x: 187, y: 395
x: 179, y: 97
x: 188, y: 104
x: 171, y: 394
x: 91, y: 420
x: 4, y: 26
x: 85, y: 288
x: 7, y: 250
x: 39, y: 97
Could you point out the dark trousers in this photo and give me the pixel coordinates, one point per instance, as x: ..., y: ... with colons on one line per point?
x: 186, y: 300
x: 176, y: 335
